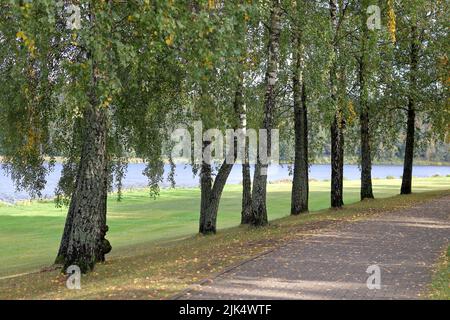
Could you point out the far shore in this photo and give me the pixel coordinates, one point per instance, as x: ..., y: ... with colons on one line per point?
x: 323, y: 161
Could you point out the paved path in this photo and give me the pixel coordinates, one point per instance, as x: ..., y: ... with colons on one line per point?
x: 332, y: 265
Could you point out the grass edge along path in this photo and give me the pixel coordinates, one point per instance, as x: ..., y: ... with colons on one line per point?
x: 159, y: 272
x: 440, y: 285
x: 30, y: 232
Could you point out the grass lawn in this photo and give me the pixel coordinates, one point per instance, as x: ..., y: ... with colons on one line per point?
x: 440, y: 286
x: 30, y: 232
x: 160, y: 270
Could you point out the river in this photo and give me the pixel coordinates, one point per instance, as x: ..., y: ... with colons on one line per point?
x: 185, y: 178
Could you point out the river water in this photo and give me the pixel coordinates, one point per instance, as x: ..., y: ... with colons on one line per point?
x: 185, y: 178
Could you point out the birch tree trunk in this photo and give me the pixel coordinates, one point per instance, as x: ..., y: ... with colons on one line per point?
x: 205, y: 225
x: 259, y: 208
x: 246, y: 212
x: 211, y: 193
x: 300, y: 183
x: 83, y: 242
x: 337, y: 126
x: 366, y: 157
x: 410, y: 130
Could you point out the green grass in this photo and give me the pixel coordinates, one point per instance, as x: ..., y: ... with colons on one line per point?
x: 440, y: 286
x: 30, y: 232
x: 159, y: 270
